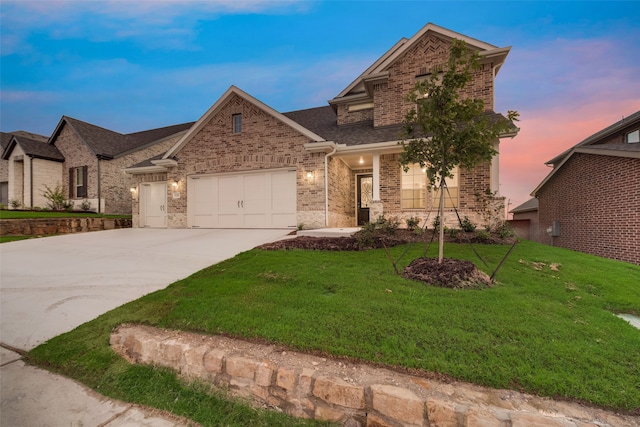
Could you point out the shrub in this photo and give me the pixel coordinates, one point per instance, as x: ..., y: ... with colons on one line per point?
x: 451, y: 232
x: 15, y: 203
x: 467, y: 226
x: 436, y: 222
x: 56, y: 198
x: 490, y: 207
x: 388, y: 226
x: 413, y: 223
x: 483, y: 235
x: 85, y: 205
x: 505, y: 230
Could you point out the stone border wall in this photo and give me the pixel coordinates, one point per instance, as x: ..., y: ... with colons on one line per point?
x: 42, y: 226
x: 355, y: 395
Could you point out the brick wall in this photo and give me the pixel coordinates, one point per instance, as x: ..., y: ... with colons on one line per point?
x: 45, y: 172
x: 470, y: 183
x: 264, y: 143
x: 116, y: 184
x: 345, y: 117
x: 597, y: 201
x: 390, y: 105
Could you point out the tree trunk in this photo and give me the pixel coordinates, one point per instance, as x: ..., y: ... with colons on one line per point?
x: 441, y: 216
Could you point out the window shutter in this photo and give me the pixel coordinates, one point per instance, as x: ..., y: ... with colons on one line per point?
x: 83, y: 189
x: 72, y: 183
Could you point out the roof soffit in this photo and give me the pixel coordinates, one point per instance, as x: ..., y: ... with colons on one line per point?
x: 220, y: 103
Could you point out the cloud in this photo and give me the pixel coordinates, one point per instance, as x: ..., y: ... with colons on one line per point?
x: 546, y: 133
x: 156, y: 24
x: 565, y: 91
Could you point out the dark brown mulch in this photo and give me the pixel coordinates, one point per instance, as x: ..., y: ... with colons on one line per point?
x: 379, y: 239
x: 315, y: 243
x: 452, y: 273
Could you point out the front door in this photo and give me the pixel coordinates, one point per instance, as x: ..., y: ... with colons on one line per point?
x: 153, y: 204
x: 364, y: 197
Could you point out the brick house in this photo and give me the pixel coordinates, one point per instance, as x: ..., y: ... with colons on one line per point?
x: 27, y: 151
x: 244, y: 164
x: 87, y: 161
x: 590, y: 201
x: 525, y: 220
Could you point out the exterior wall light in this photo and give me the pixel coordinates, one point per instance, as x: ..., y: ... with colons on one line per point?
x: 132, y: 189
x: 174, y: 184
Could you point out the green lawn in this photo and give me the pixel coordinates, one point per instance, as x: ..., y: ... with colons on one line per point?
x: 539, y: 330
x: 17, y: 214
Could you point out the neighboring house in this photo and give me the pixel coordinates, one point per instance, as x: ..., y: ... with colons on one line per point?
x: 32, y: 149
x: 590, y: 202
x: 525, y: 220
x: 244, y: 164
x: 86, y: 161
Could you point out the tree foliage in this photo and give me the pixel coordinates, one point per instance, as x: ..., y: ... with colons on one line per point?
x: 446, y: 130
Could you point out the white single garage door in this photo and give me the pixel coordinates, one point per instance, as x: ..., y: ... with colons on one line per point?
x: 265, y: 199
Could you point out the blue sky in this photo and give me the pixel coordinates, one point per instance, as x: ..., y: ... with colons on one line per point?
x: 574, y: 66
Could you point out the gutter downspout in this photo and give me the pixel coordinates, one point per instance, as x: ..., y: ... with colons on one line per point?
x: 99, y: 188
x: 326, y: 185
x: 31, y: 182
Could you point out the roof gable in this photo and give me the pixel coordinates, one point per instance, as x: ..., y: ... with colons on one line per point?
x: 598, y: 136
x: 32, y: 144
x: 382, y: 64
x: 220, y: 103
x: 108, y: 144
x: 590, y: 146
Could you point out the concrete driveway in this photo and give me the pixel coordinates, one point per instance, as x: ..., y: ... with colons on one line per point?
x: 49, y: 286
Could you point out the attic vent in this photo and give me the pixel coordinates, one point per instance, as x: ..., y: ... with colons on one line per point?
x: 379, y: 86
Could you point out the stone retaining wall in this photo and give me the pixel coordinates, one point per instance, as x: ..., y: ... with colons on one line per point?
x: 355, y: 395
x: 42, y: 226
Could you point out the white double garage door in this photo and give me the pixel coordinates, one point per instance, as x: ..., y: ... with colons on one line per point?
x: 262, y: 199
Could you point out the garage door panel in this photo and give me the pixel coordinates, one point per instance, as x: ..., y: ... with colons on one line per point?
x: 265, y: 199
x: 204, y: 208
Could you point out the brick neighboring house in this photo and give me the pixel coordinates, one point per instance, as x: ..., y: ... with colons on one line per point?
x: 30, y: 151
x: 86, y: 160
x: 525, y: 220
x: 244, y: 164
x: 590, y: 202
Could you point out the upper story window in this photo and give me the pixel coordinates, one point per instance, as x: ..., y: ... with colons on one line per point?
x: 633, y: 137
x: 414, y: 188
x: 237, y: 123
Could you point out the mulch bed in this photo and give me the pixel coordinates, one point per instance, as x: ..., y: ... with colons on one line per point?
x: 452, y: 273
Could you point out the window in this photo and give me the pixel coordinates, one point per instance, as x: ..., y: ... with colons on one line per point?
x: 237, y: 123
x: 633, y: 137
x: 414, y: 188
x: 452, y: 187
x: 78, y: 182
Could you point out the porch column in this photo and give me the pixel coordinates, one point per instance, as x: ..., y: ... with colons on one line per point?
x: 375, y: 207
x: 376, y: 177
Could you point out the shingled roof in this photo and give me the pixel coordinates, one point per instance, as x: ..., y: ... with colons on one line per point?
x: 323, y: 121
x: 32, y: 144
x: 109, y: 144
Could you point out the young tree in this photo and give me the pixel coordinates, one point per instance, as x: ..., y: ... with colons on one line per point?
x: 446, y: 130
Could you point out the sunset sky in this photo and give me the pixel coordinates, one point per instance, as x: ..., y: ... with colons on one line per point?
x: 574, y: 66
